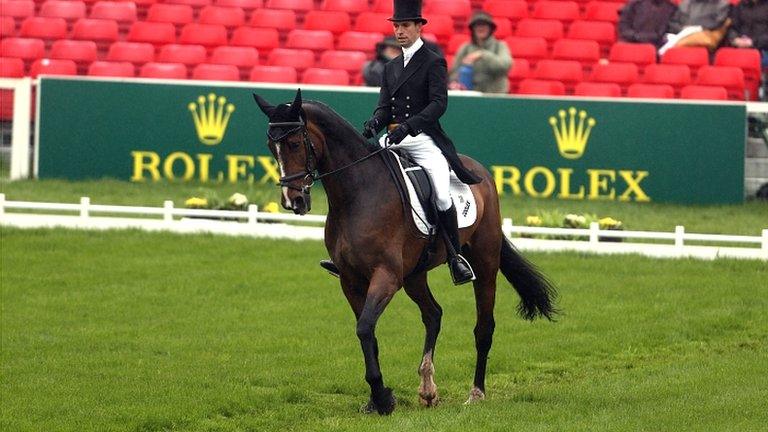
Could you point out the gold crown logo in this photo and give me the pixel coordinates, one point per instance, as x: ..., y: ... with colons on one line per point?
x: 572, y: 136
x: 211, y: 117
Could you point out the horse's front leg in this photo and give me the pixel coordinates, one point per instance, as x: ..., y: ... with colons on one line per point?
x: 431, y: 315
x: 382, y: 288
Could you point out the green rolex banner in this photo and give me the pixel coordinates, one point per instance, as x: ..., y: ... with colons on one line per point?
x: 570, y: 149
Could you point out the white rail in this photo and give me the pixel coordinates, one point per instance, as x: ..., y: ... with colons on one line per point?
x: 279, y: 225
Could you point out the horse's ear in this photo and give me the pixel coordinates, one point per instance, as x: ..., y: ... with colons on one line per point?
x: 265, y: 106
x: 296, y: 105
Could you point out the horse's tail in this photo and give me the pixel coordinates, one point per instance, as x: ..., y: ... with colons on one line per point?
x: 537, y: 294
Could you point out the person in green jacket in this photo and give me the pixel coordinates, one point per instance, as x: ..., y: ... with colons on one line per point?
x: 482, y: 64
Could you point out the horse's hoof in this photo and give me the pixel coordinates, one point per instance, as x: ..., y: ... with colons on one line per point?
x: 429, y: 401
x: 475, y: 395
x: 383, y: 403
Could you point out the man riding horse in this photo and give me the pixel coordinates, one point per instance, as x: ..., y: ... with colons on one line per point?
x: 413, y: 97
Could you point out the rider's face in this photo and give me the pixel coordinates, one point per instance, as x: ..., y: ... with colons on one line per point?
x: 406, y: 32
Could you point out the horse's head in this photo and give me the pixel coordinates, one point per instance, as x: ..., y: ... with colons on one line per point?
x: 294, y: 150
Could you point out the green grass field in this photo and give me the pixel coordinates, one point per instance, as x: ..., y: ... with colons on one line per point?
x: 134, y: 331
x: 745, y: 219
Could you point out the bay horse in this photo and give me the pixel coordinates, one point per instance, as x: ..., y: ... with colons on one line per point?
x: 373, y: 241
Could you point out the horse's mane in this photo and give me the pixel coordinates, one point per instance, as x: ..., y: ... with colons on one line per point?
x: 333, y: 124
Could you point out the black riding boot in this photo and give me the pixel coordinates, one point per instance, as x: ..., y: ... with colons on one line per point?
x: 461, y: 271
x: 330, y: 267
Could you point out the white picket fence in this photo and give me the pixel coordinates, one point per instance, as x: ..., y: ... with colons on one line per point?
x: 252, y: 222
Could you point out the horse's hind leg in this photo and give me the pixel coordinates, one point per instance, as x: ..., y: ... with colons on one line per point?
x: 484, y: 258
x: 431, y: 314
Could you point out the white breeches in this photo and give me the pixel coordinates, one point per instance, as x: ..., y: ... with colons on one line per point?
x: 424, y: 151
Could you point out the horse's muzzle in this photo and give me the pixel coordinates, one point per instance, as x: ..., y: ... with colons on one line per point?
x: 301, y: 203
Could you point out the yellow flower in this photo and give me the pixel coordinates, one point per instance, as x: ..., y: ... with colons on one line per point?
x: 609, y: 223
x: 272, y: 207
x: 533, y: 221
x: 238, y: 200
x: 196, y: 202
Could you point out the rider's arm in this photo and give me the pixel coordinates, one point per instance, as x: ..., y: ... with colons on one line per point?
x: 438, y: 98
x: 383, y: 110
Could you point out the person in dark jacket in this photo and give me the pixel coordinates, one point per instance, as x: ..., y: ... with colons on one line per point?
x: 386, y: 50
x: 749, y: 25
x: 645, y: 21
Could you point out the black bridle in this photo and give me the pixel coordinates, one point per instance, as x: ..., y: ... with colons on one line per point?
x: 310, y: 173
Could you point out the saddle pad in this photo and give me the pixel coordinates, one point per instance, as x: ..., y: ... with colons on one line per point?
x: 463, y: 199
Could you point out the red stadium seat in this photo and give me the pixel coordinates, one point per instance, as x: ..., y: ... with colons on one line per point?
x: 541, y: 87
x: 276, y: 74
x: 730, y: 77
x: 164, y: 70
x: 584, y: 51
x: 189, y: 55
x: 602, y: 32
x: 325, y: 76
x: 565, y: 11
x: 69, y: 9
x: 145, y: 4
x: 246, y: 5
x: 22, y: 48
x: 97, y: 30
x: 208, y: 35
x: 197, y: 4
x: 550, y: 30
x: 349, y: 6
x: 226, y: 16
x: 704, y: 92
x: 350, y: 61
x: 318, y: 40
x: 171, y: 13
x: 457, y: 41
x: 112, y: 69
x: 7, y: 26
x: 531, y: 48
x: 299, y: 59
x: 296, y: 5
x: 597, y: 89
x: 438, y: 25
x: 458, y: 9
x: 11, y: 67
x: 218, y: 72
x: 603, y: 11
x: 78, y: 51
x: 640, y: 54
x: 152, y: 32
x: 655, y: 91
x: 243, y: 57
x: 514, y: 10
x: 383, y: 6
x: 263, y: 39
x: 565, y: 71
x: 693, y: 57
x: 746, y: 59
x: 333, y: 21
x: 519, y: 71
x: 503, y: 28
x: 622, y: 74
x: 134, y: 52
x: 359, y: 41
x: 43, y: 28
x: 283, y: 20
x: 375, y: 22
x: 121, y: 11
x: 18, y: 8
x: 677, y: 76
x: 46, y: 66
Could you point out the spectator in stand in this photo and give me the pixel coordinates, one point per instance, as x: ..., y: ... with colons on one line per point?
x: 373, y: 70
x: 645, y: 21
x: 482, y: 63
x: 749, y: 26
x: 698, y: 23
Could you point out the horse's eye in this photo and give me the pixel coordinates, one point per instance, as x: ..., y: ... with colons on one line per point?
x: 293, y: 146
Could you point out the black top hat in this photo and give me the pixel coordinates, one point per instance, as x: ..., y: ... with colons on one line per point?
x: 408, y: 10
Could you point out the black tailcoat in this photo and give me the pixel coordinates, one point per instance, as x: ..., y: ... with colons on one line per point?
x: 418, y: 95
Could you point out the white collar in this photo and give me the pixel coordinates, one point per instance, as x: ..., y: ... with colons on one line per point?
x: 411, y: 50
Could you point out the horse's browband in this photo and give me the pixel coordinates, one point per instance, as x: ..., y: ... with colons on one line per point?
x: 281, y: 124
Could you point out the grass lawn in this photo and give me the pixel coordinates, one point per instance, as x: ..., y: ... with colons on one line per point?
x: 135, y: 331
x: 746, y: 219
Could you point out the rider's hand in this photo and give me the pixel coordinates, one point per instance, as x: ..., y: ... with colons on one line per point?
x: 370, y: 127
x: 399, y: 133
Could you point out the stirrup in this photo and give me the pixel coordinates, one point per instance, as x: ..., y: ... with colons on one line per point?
x: 330, y: 267
x: 461, y: 271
